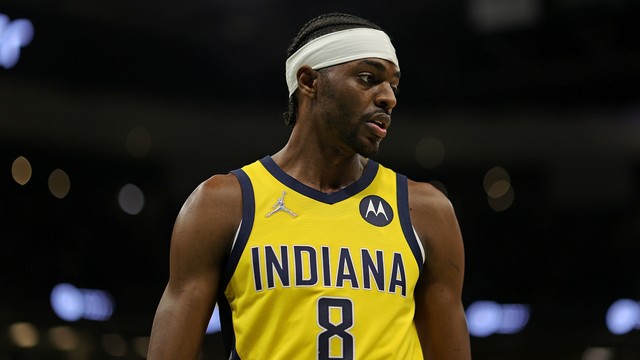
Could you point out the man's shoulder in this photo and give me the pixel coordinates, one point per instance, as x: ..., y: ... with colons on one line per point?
x: 423, y: 195
x: 426, y: 197
x: 223, y: 186
x: 432, y: 215
x: 219, y: 187
x: 218, y: 195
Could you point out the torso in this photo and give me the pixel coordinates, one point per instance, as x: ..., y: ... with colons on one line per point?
x: 318, y: 276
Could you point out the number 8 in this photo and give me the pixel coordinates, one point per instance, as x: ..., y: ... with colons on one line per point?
x: 332, y: 329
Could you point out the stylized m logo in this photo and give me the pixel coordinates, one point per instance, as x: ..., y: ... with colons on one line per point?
x: 376, y: 211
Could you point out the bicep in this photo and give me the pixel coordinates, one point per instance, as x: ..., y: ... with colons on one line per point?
x: 440, y: 318
x: 200, y: 241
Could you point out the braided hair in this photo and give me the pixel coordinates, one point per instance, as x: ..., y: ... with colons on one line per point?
x: 321, y: 25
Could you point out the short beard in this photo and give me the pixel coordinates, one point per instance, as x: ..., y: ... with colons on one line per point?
x: 349, y: 136
x: 363, y: 148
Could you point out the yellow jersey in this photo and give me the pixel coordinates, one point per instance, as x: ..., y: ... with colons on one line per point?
x: 321, y: 276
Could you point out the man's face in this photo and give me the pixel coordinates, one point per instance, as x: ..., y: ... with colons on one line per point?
x: 356, y: 100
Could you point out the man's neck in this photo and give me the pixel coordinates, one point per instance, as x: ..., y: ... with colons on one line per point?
x: 321, y: 169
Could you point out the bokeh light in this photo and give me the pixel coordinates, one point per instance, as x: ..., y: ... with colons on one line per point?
x: 623, y: 316
x: 98, y: 304
x: 498, y: 189
x: 72, y: 304
x: 502, y: 203
x: 131, y: 199
x: 494, y: 175
x: 140, y: 346
x: 598, y: 353
x: 24, y: 335
x: 497, y: 185
x: 21, y: 170
x: 13, y: 36
x: 59, y: 183
x: 64, y: 338
x: 486, y: 317
x: 114, y: 345
x: 67, y: 302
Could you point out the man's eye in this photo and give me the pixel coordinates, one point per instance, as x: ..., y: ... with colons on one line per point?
x: 366, y: 77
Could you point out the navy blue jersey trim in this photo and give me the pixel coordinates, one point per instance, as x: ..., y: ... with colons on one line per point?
x: 367, y: 177
x: 226, y: 324
x: 248, y: 214
x: 402, y: 190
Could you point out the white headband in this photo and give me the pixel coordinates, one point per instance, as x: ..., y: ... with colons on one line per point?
x: 337, y: 48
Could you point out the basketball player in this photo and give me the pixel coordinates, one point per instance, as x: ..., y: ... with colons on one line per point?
x: 319, y: 252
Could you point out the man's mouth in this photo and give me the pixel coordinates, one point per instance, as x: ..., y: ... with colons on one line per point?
x: 378, y: 123
x: 378, y: 127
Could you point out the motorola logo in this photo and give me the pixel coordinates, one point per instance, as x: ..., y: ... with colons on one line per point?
x: 376, y: 211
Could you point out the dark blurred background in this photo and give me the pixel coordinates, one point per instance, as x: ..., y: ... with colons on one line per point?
x: 526, y: 113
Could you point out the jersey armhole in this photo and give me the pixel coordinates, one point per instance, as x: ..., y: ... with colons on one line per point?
x: 239, y: 243
x: 408, y: 230
x: 422, y: 251
x: 244, y: 229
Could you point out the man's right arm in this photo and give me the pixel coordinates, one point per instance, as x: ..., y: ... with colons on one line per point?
x: 201, y: 239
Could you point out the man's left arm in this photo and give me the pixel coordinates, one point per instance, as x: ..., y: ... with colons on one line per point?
x: 440, y: 318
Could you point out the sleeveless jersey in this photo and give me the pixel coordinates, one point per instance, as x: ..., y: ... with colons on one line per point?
x: 321, y: 276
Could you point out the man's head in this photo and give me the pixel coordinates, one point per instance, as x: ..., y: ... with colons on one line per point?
x: 323, y: 42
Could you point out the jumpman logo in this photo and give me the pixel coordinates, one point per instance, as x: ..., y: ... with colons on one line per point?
x: 279, y: 206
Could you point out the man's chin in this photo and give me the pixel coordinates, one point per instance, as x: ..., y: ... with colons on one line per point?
x: 369, y: 152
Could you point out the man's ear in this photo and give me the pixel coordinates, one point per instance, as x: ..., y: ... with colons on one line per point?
x: 307, y: 81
